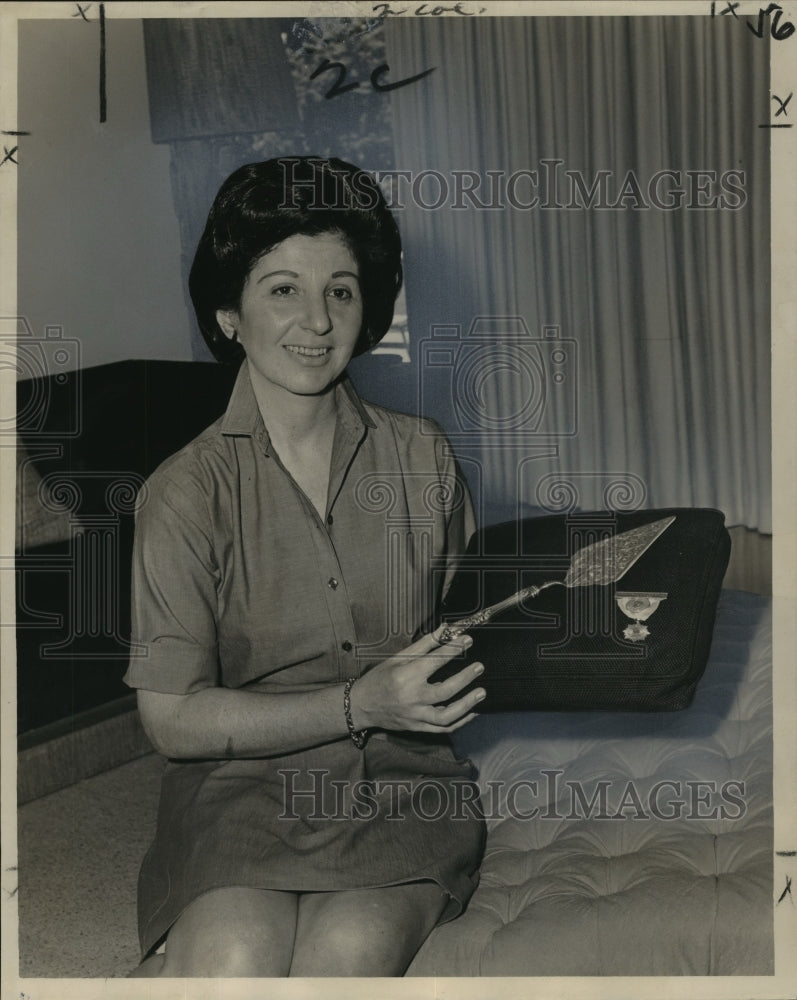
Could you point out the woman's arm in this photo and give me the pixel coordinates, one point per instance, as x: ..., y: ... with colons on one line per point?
x: 394, y: 694
x: 188, y: 714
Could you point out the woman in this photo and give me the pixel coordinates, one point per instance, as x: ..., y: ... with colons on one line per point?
x: 284, y: 561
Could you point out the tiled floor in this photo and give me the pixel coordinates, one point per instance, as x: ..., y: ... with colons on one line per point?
x: 79, y: 854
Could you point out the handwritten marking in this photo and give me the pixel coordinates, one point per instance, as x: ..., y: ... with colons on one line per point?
x: 339, y: 87
x: 14, y: 133
x: 103, y: 96
x: 730, y: 9
x: 781, y: 111
x: 442, y: 9
x: 9, y: 154
x: 421, y: 10
x: 82, y: 9
x: 786, y: 854
x: 383, y: 88
x: 786, y: 892
x: 777, y: 33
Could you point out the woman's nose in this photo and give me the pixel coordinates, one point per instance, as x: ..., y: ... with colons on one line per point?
x: 316, y: 317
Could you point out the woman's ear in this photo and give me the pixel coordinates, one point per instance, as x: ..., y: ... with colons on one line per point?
x: 226, y: 318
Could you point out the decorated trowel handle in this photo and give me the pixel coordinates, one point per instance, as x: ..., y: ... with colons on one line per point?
x: 445, y: 633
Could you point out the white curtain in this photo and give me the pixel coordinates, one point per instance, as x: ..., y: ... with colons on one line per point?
x: 663, y: 393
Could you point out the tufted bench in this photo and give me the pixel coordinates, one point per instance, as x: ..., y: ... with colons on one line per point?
x: 650, y: 850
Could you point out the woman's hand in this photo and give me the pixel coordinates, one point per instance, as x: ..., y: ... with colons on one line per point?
x: 396, y: 693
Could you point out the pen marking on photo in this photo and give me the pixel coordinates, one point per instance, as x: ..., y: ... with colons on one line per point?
x: 779, y: 34
x: 781, y: 110
x: 385, y: 87
x: 339, y: 87
x: 422, y: 10
x: 729, y: 9
x: 103, y: 95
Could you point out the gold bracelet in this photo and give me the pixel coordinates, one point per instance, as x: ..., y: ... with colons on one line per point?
x: 357, y: 735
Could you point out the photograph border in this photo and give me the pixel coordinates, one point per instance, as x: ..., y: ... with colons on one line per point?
x: 783, y: 983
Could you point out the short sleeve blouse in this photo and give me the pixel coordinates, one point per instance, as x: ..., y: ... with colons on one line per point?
x: 237, y: 580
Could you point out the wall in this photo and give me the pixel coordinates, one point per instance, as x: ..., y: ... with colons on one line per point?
x: 99, y: 251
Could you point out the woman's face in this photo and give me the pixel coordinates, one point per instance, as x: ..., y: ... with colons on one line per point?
x: 301, y: 313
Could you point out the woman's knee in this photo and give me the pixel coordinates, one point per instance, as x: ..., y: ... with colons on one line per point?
x: 372, y: 933
x: 229, y: 958
x: 349, y: 948
x: 352, y: 948
x: 233, y: 934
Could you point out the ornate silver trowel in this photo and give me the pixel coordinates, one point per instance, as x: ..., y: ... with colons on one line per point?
x: 598, y: 564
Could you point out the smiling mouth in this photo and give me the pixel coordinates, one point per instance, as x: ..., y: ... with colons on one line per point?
x: 308, y: 352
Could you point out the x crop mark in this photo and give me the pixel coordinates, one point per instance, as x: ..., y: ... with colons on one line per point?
x: 9, y: 154
x: 782, y: 109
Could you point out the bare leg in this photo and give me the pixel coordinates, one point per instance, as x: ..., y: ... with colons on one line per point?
x: 149, y: 968
x: 227, y: 933
x: 364, y: 932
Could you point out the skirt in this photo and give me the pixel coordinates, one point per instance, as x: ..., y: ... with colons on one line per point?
x: 330, y: 818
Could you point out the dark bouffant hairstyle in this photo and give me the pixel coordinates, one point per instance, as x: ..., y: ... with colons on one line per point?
x: 262, y: 204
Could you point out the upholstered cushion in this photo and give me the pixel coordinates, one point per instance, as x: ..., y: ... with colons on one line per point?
x: 640, y: 895
x: 640, y: 643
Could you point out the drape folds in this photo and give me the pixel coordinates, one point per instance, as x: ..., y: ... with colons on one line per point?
x: 650, y: 254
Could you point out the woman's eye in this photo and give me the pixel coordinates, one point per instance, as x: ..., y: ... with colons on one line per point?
x: 282, y: 290
x: 341, y: 293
